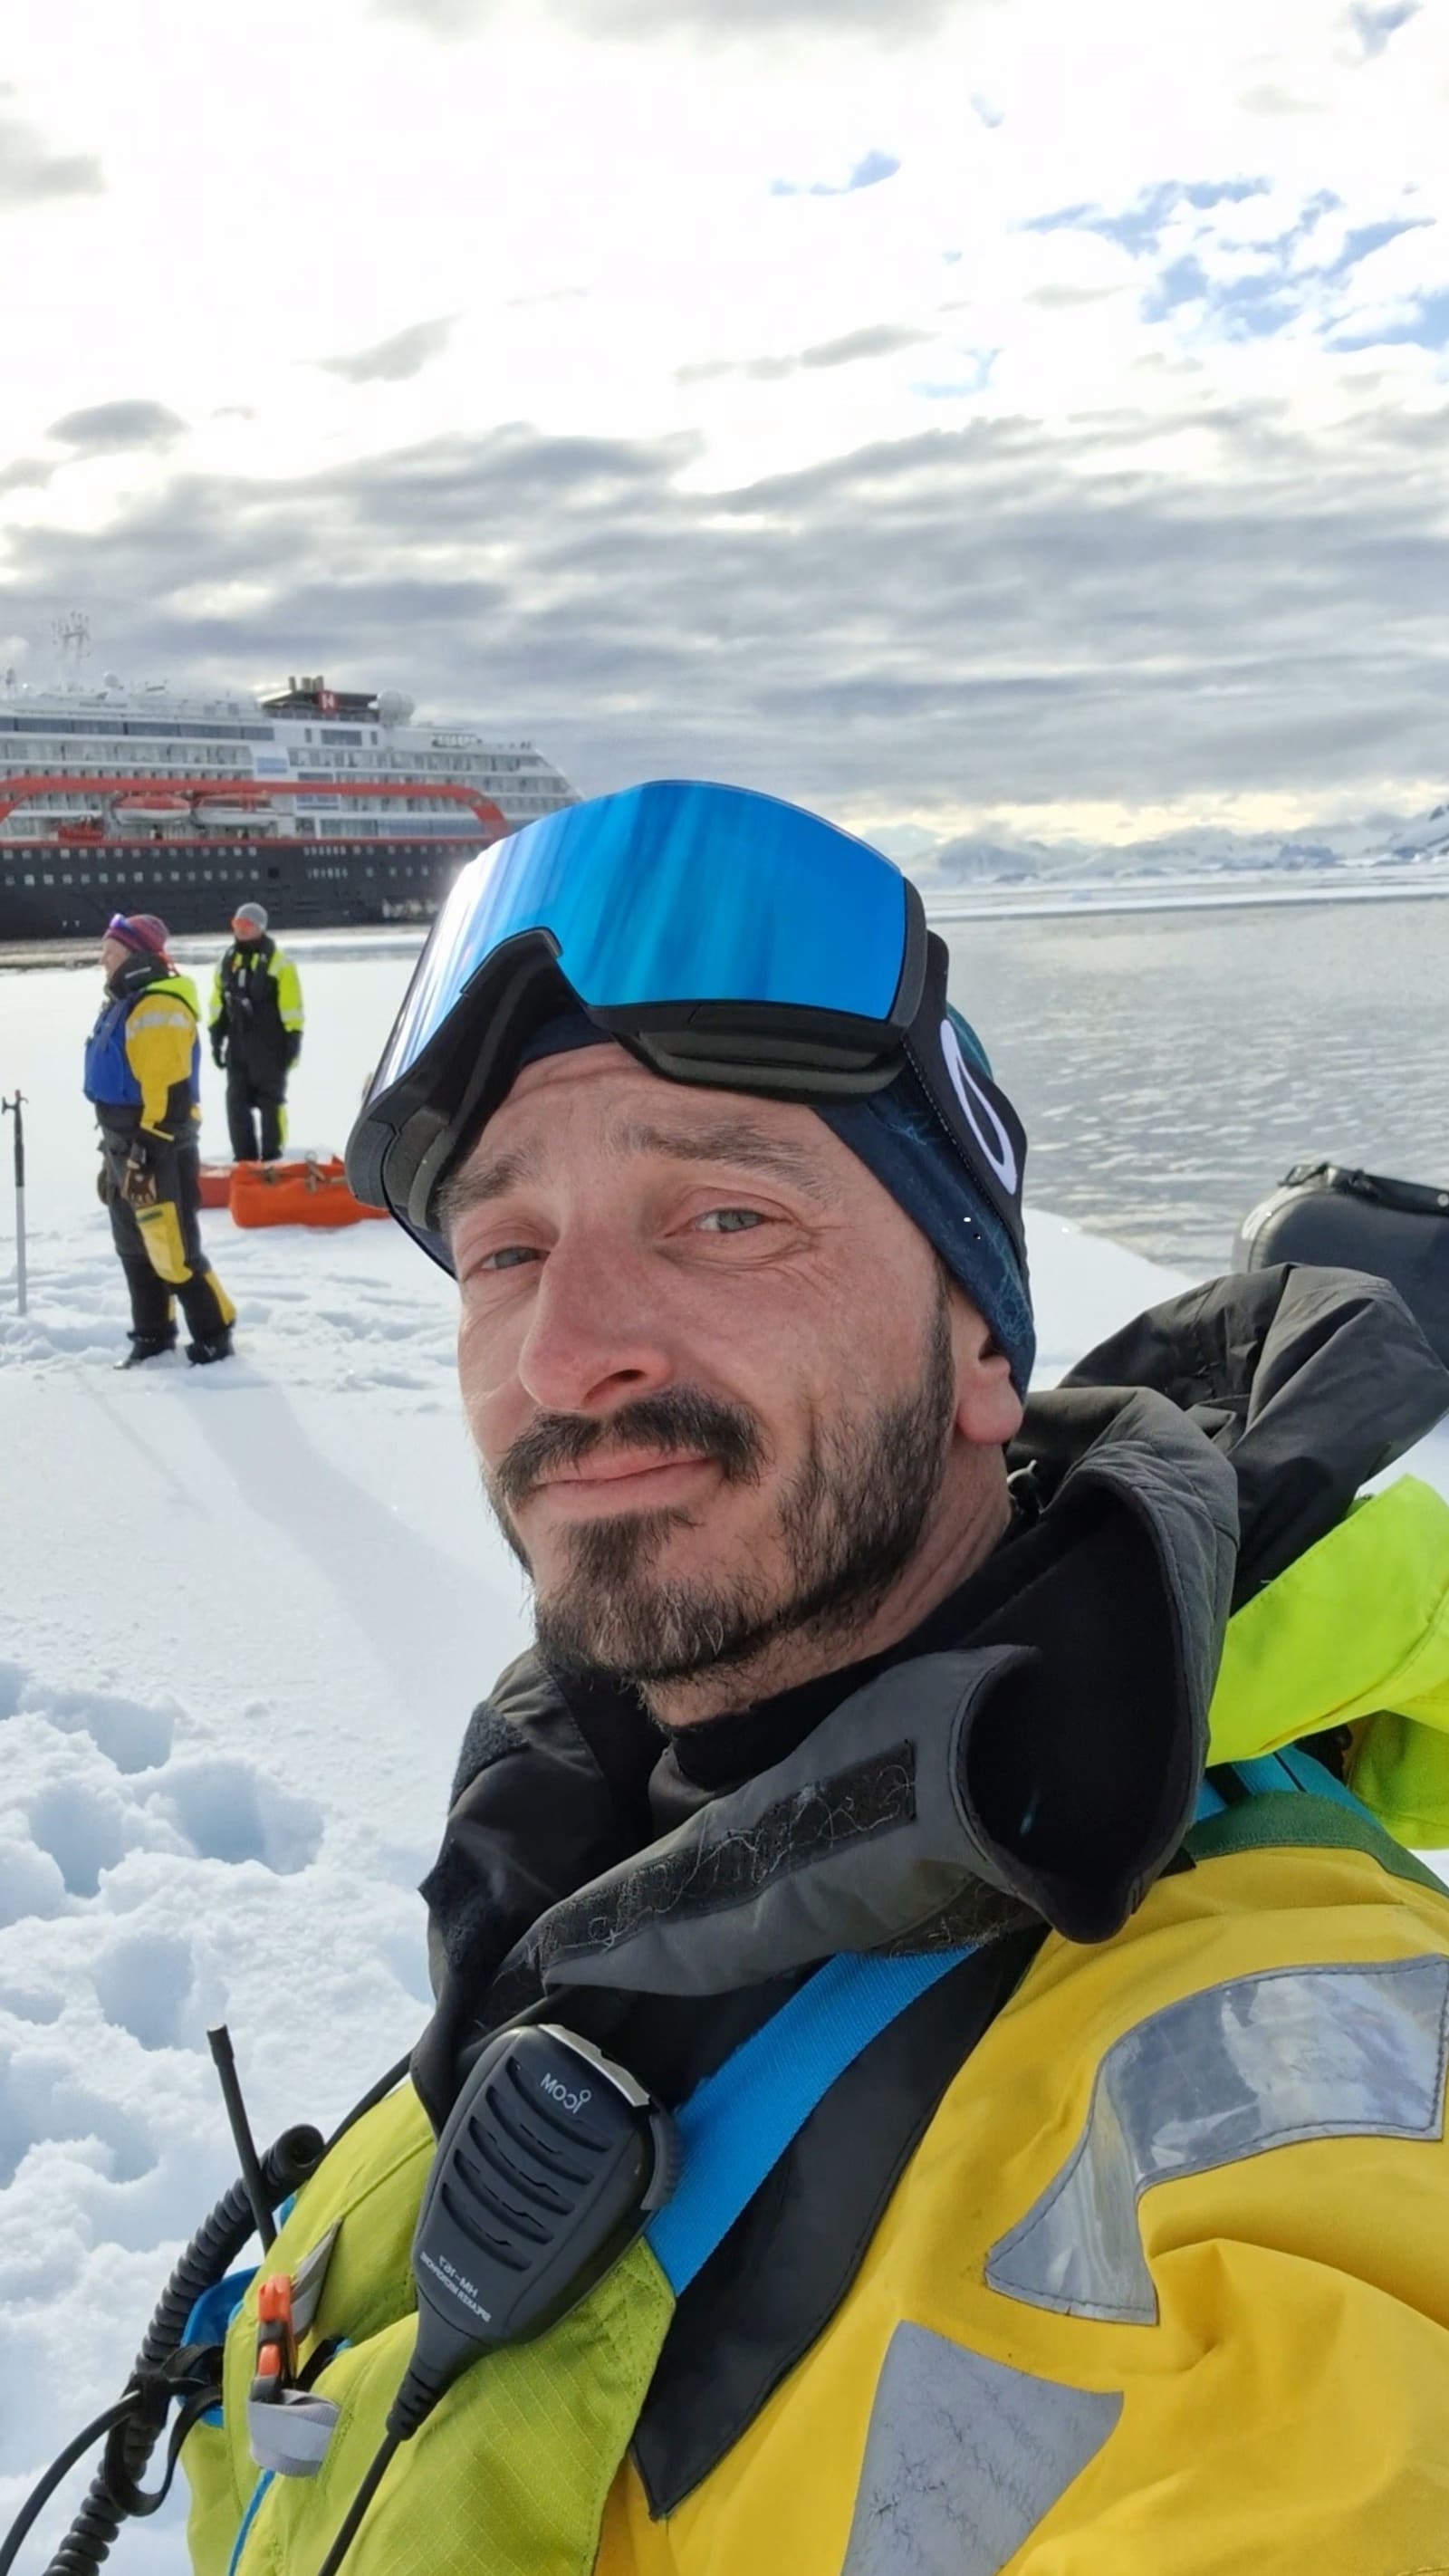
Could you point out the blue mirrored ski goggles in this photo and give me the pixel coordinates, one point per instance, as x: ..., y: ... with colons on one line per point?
x: 724, y: 937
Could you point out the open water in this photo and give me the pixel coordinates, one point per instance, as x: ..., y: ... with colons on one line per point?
x: 1170, y: 1066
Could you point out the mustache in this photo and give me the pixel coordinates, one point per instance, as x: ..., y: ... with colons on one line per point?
x: 680, y: 1418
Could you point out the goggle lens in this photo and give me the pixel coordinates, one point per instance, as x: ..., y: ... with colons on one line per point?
x: 673, y: 892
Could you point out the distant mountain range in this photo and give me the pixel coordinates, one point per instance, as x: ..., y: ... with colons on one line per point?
x: 1380, y: 841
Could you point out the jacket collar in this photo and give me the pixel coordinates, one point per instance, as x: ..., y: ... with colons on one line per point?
x: 134, y: 973
x: 1045, y: 1767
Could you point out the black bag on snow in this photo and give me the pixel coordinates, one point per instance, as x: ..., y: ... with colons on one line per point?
x: 1397, y: 1230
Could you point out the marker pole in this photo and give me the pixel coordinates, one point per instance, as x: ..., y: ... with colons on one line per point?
x: 16, y: 1109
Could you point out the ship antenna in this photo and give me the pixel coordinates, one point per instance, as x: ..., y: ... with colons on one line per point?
x: 72, y: 638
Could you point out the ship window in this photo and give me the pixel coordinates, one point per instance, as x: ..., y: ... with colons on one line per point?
x: 27, y: 881
x: 105, y: 880
x: 47, y: 880
x: 65, y: 880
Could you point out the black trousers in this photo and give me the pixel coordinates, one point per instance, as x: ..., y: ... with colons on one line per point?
x: 160, y: 1247
x: 250, y: 1096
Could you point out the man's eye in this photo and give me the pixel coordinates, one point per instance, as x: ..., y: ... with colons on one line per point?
x: 508, y: 1256
x: 730, y: 1220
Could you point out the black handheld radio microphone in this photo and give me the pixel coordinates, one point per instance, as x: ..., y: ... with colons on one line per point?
x: 551, y: 2161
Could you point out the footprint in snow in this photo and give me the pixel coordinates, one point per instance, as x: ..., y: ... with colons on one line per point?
x: 90, y: 1776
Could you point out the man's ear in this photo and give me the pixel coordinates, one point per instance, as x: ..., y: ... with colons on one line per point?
x: 988, y: 1408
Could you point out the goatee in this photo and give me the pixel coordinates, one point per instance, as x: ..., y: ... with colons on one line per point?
x: 847, y: 1525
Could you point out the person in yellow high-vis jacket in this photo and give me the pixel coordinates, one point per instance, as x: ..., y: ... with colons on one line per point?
x: 1124, y: 2246
x: 141, y: 1076
x: 256, y: 1034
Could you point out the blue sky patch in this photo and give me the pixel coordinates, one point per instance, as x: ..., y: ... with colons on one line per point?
x: 973, y: 378
x: 1422, y: 323
x: 868, y: 173
x: 1140, y: 226
x: 1375, y: 21
x: 1276, y: 281
x: 1367, y: 237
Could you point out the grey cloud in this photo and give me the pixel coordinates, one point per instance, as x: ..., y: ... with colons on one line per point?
x: 998, y: 613
x: 31, y: 172
x: 719, y: 21
x: 103, y: 426
x: 1064, y: 299
x: 389, y: 361
x: 26, y: 471
x: 877, y: 340
x: 1269, y: 98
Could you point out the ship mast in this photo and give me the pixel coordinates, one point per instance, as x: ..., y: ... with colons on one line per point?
x: 71, y: 636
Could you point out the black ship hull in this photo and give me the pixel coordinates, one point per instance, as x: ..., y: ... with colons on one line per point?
x: 69, y: 890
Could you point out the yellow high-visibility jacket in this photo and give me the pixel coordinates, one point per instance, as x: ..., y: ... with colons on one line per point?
x: 162, y: 1051
x: 143, y: 1055
x: 256, y: 1004
x: 1163, y: 2289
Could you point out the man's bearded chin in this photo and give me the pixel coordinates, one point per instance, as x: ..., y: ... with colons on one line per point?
x: 846, y: 1526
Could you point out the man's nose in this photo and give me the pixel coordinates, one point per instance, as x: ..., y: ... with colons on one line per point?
x: 595, y: 1335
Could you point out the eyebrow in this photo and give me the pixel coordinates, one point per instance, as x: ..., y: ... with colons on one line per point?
x: 724, y: 1140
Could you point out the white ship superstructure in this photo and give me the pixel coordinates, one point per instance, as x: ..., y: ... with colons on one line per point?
x: 333, y: 804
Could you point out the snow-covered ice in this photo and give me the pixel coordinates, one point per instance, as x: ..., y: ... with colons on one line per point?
x: 243, y: 1615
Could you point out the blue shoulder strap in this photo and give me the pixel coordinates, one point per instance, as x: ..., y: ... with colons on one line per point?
x: 1286, y: 1769
x: 737, y: 2124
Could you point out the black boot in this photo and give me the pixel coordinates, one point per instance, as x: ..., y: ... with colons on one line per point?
x: 148, y: 1346
x: 210, y: 1346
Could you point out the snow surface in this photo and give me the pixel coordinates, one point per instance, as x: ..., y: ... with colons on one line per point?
x: 244, y: 1613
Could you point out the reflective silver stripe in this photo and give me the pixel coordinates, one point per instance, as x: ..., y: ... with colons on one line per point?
x: 1267, y: 2061
x: 289, y: 2435
x: 963, y: 2459
x: 309, y: 2281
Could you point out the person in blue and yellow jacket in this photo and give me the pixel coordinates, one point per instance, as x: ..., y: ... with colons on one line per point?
x: 141, y: 1076
x: 979, y: 1822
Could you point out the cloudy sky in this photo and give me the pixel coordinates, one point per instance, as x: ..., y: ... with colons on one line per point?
x: 960, y: 414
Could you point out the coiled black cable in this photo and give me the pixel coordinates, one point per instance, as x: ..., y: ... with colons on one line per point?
x: 39, y: 2496
x: 218, y: 2241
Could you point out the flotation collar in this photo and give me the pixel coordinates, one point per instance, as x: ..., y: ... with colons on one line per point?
x: 1294, y: 1664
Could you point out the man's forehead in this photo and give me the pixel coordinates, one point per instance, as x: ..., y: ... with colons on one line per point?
x: 630, y: 1113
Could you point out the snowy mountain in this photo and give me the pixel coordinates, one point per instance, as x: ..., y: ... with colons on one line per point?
x: 1379, y: 841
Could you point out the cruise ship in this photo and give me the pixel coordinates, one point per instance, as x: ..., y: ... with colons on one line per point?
x: 328, y: 805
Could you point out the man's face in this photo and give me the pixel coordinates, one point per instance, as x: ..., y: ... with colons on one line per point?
x: 113, y: 954
x: 711, y: 1369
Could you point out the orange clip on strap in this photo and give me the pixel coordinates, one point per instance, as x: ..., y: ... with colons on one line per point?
x: 276, y: 2361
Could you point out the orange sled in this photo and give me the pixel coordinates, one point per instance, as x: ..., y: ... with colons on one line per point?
x: 216, y: 1184
x: 313, y: 1192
